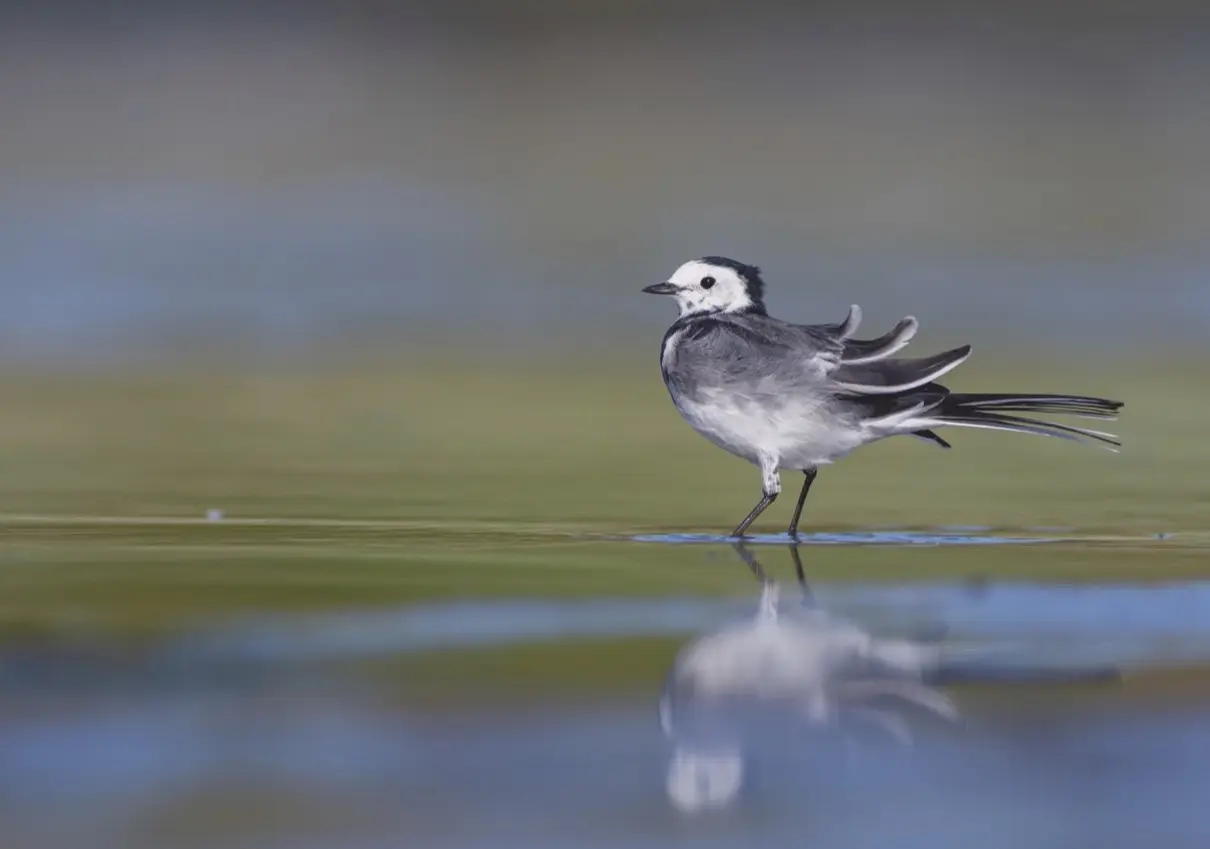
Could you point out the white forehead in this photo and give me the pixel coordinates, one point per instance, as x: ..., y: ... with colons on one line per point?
x: 694, y: 270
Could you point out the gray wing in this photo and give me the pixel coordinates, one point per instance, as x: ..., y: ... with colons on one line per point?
x: 768, y: 356
x: 758, y: 353
x: 868, y: 350
x: 886, y: 377
x: 865, y: 350
x: 840, y: 330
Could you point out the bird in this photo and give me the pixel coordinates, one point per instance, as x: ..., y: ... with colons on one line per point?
x: 797, y: 397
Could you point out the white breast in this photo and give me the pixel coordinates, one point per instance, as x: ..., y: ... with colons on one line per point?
x: 796, y: 433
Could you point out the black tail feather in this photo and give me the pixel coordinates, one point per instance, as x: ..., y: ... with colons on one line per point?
x: 931, y: 436
x: 1077, y: 405
x: 993, y: 411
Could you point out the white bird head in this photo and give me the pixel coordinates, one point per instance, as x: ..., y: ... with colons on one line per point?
x: 714, y: 284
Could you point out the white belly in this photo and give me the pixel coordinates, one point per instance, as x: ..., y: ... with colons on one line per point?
x: 794, y: 434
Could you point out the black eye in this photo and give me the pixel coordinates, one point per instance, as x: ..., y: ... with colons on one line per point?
x: 707, y: 282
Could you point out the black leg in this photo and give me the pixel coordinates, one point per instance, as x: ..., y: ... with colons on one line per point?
x: 802, y: 499
x: 756, y: 511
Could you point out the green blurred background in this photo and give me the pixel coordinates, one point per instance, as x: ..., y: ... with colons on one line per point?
x: 383, y: 260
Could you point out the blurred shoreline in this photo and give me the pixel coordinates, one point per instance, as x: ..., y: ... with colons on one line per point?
x: 257, y: 186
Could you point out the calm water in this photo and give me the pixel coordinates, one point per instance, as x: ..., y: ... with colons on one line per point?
x: 238, y: 772
x: 262, y: 732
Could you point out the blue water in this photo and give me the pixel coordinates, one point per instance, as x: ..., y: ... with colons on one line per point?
x: 339, y: 775
x: 972, y: 535
x: 233, y: 735
x: 1142, y: 624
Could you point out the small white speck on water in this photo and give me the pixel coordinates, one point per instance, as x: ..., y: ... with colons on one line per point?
x: 214, y: 515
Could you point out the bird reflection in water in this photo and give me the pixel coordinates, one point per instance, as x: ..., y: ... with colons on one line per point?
x: 783, y: 672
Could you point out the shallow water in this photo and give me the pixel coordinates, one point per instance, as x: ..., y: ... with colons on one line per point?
x: 323, y: 774
x: 971, y: 535
x: 266, y: 731
x: 956, y: 535
x: 1143, y: 624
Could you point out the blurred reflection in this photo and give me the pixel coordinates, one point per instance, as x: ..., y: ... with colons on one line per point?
x: 786, y: 671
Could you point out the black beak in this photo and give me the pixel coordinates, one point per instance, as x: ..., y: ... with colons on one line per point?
x: 660, y: 289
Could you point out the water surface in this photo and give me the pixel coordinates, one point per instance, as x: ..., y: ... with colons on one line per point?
x: 310, y: 728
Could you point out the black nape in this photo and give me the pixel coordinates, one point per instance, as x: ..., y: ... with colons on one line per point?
x: 750, y: 274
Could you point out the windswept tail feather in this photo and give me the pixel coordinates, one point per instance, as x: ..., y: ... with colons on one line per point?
x: 1073, y: 405
x: 997, y: 412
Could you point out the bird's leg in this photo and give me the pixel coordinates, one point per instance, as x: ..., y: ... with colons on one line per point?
x: 756, y: 511
x: 802, y: 499
x: 771, y: 487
